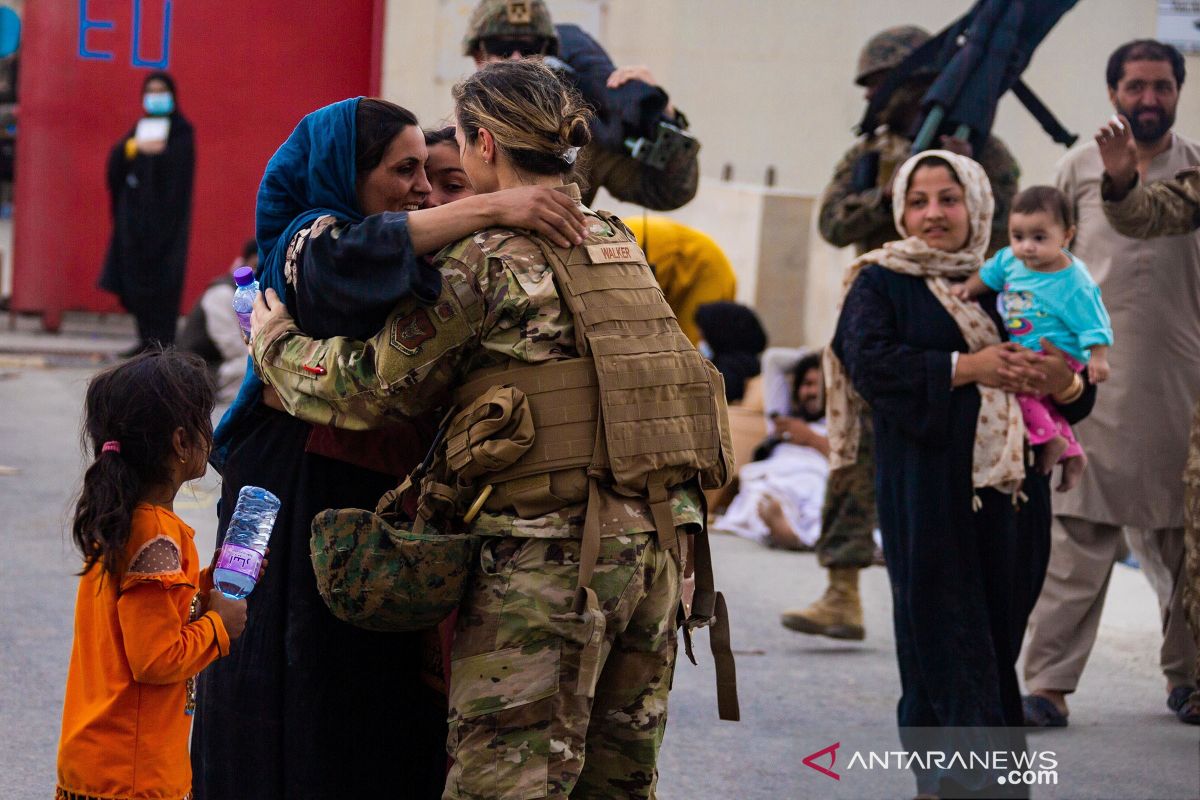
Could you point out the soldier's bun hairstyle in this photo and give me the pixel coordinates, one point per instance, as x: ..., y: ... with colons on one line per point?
x: 537, y: 120
x: 1045, y: 198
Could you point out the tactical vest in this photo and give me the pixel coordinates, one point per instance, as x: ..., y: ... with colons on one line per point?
x: 639, y: 412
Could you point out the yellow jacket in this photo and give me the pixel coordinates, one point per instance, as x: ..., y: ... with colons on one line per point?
x: 690, y: 267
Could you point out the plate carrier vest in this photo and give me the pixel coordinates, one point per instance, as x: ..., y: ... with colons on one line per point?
x: 639, y: 412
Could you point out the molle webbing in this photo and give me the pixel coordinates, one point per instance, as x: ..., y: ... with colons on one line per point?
x: 564, y: 401
x: 656, y: 395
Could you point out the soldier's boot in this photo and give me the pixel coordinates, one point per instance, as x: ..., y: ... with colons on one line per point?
x: 838, y: 614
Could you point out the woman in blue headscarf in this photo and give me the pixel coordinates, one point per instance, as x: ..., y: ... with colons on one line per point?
x: 307, y: 706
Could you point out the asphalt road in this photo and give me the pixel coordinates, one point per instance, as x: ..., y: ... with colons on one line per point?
x: 799, y: 694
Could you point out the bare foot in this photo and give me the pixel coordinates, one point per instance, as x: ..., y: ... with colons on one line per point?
x: 1072, y: 471
x: 1052, y: 451
x: 779, y: 530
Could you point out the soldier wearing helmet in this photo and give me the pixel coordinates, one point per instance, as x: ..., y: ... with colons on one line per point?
x: 500, y: 30
x: 856, y: 206
x: 856, y: 210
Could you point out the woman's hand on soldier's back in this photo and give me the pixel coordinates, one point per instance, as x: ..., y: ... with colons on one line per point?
x: 232, y: 612
x: 268, y: 307
x: 542, y: 210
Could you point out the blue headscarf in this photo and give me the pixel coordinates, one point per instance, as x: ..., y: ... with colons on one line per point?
x: 311, y: 175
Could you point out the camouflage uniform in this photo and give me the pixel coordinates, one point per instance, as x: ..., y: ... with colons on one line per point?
x: 625, y: 178
x: 519, y: 725
x: 1170, y: 208
x: 862, y: 217
x: 848, y: 517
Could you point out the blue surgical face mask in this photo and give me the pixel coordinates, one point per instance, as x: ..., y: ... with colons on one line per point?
x: 158, y: 103
x: 705, y: 349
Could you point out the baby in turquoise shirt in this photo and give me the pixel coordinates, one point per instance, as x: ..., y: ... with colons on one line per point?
x: 1047, y: 293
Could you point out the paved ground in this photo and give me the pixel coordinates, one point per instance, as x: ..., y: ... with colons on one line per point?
x: 799, y: 694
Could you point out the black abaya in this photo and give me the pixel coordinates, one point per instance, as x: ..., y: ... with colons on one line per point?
x: 151, y: 198
x: 306, y: 706
x: 963, y: 581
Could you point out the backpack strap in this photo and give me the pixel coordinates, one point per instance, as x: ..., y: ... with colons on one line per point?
x: 708, y: 608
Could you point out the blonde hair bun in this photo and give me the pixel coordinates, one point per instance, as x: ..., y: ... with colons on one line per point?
x: 575, y: 131
x: 537, y: 121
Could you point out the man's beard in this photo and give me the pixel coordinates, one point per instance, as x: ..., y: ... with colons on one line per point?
x: 1148, y: 132
x: 812, y: 416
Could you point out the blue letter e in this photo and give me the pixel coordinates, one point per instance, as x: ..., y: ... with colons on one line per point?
x: 85, y: 25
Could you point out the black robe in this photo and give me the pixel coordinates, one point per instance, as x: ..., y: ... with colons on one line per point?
x: 306, y: 706
x: 963, y: 582
x: 151, y: 199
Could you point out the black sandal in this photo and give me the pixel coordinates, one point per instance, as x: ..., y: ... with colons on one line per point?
x: 1041, y: 713
x: 1185, y: 702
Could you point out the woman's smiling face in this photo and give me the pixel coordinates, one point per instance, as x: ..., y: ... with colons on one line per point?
x: 935, y: 208
x: 398, y: 182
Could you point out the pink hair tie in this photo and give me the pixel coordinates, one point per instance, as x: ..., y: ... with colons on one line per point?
x: 111, y: 446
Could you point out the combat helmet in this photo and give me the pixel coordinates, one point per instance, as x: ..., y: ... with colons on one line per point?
x: 380, y: 572
x: 390, y: 571
x: 887, y: 49
x: 510, y: 18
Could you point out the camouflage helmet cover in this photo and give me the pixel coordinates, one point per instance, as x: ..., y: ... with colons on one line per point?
x: 509, y: 18
x: 887, y: 49
x: 377, y: 573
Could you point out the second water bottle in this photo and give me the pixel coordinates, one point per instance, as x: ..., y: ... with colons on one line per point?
x: 245, y: 542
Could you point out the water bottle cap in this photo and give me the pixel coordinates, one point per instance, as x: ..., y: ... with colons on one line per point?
x: 243, y: 276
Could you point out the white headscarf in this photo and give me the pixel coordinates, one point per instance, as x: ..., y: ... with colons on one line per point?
x: 1000, y: 432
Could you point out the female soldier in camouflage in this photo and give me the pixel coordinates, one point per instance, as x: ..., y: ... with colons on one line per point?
x: 532, y: 693
x: 340, y: 234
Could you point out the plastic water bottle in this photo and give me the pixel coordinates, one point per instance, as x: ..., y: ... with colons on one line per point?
x: 245, y: 542
x: 243, y: 297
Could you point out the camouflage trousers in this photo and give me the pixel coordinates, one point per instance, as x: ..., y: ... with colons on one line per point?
x: 848, y: 516
x: 1191, y: 536
x: 521, y: 723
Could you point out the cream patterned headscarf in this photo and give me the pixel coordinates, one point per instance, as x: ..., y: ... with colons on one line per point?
x: 1000, y: 432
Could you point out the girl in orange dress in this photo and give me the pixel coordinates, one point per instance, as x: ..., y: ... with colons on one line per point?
x: 146, y: 617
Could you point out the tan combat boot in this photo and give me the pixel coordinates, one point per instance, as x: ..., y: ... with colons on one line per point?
x: 838, y: 614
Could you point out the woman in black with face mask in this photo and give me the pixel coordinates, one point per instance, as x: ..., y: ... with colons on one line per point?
x: 150, y: 173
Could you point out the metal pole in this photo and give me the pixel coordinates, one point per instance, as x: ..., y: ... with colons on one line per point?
x: 928, y: 128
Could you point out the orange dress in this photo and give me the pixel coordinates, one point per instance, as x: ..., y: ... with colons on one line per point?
x: 126, y: 716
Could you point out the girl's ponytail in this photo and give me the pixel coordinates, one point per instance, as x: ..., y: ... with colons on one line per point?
x: 131, y: 414
x: 111, y: 490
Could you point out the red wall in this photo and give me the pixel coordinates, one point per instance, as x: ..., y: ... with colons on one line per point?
x: 246, y: 72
